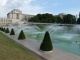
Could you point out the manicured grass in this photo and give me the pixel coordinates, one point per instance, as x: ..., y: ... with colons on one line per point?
x: 10, y: 50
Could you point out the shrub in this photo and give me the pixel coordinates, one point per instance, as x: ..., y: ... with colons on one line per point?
x: 3, y: 29
x: 0, y: 28
x: 21, y: 35
x: 46, y: 44
x: 12, y: 32
x: 7, y: 30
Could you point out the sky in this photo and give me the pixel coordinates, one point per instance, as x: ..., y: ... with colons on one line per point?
x: 34, y: 7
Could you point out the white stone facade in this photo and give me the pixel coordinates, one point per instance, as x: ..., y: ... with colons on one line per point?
x: 15, y: 16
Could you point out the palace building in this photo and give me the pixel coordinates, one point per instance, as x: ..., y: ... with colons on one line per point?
x: 15, y: 16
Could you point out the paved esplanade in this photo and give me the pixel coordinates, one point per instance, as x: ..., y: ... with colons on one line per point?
x: 55, y: 55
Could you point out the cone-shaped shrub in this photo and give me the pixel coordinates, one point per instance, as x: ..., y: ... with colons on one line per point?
x: 12, y: 32
x: 3, y: 29
x: 21, y: 35
x: 7, y: 30
x: 0, y: 28
x: 46, y: 44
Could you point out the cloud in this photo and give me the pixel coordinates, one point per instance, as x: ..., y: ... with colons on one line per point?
x: 33, y: 7
x: 2, y: 11
x: 45, y: 3
x: 3, y: 2
x: 55, y: 4
x: 24, y: 5
x: 29, y: 9
x: 73, y: 11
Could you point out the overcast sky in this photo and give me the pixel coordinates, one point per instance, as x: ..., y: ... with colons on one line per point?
x: 40, y: 6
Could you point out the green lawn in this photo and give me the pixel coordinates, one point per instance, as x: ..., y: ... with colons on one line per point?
x: 10, y: 50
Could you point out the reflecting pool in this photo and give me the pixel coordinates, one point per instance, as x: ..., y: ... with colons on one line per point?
x: 65, y: 38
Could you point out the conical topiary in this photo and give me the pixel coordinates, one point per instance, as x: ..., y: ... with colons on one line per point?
x: 3, y: 29
x: 21, y: 35
x: 7, y: 30
x: 0, y: 28
x: 46, y: 44
x: 12, y: 32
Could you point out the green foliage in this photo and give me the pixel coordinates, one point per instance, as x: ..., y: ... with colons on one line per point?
x: 46, y: 45
x: 58, y: 19
x: 0, y: 28
x: 21, y: 35
x: 12, y: 32
x: 34, y: 19
x: 3, y: 29
x: 7, y: 30
x: 69, y: 19
x: 78, y: 21
x: 49, y: 18
x: 43, y: 18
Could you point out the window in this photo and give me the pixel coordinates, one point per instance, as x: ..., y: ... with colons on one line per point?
x: 25, y: 17
x: 17, y: 16
x: 7, y: 16
x: 4, y: 21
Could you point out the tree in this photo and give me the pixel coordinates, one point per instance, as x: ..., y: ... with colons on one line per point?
x: 12, y: 32
x: 58, y: 19
x: 7, y: 30
x: 34, y: 19
x: 39, y: 16
x: 69, y: 19
x: 78, y: 21
x: 21, y: 35
x: 43, y: 18
x: 46, y: 44
x: 48, y: 18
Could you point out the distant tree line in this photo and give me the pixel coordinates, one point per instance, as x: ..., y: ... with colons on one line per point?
x: 78, y: 20
x: 49, y: 18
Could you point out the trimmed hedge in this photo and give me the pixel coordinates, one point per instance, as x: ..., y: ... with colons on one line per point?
x: 21, y: 35
x: 12, y: 32
x: 7, y: 30
x: 46, y: 44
